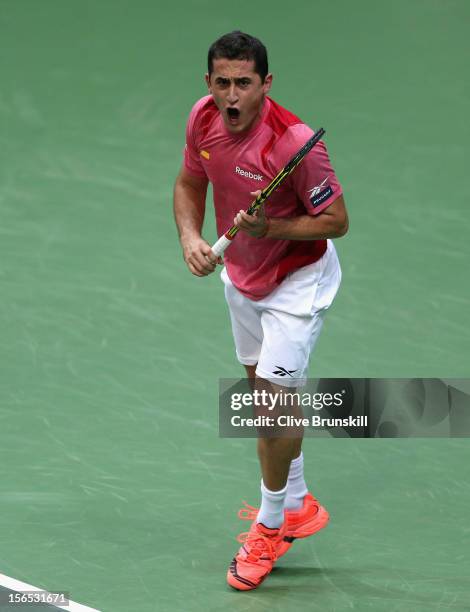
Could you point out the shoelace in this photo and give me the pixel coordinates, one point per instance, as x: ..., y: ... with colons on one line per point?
x: 248, y: 513
x: 257, y: 544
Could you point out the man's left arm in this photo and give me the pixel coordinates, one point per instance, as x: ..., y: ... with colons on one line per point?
x: 315, y: 184
x: 332, y: 222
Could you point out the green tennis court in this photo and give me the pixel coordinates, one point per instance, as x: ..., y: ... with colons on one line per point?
x: 115, y: 486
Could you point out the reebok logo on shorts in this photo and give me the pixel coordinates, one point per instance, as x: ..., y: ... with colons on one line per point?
x: 283, y: 372
x: 241, y: 172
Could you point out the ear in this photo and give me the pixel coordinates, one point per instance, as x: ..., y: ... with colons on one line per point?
x: 208, y: 82
x: 268, y: 81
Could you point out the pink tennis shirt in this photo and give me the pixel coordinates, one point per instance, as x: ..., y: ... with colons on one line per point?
x: 237, y: 164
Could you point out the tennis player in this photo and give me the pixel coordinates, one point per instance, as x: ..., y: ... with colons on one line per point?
x: 281, y: 272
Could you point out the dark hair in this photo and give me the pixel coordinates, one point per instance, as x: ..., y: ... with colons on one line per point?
x: 237, y: 45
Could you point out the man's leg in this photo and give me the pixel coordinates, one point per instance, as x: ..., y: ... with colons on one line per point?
x: 251, y: 374
x: 275, y: 457
x: 275, y: 454
x: 265, y: 538
x: 285, y: 501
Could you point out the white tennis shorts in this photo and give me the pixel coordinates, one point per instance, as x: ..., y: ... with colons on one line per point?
x: 279, y: 332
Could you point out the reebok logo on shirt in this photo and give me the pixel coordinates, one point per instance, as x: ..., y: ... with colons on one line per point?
x: 320, y: 193
x: 241, y: 172
x: 316, y: 190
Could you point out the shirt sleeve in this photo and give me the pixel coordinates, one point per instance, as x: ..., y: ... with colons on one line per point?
x: 192, y: 158
x: 314, y: 180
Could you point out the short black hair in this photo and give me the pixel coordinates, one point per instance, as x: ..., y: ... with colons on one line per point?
x: 238, y: 45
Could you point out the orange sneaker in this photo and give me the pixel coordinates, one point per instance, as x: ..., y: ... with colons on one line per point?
x: 299, y: 523
x: 255, y: 559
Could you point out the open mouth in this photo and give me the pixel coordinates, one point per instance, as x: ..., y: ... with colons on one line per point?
x: 233, y: 114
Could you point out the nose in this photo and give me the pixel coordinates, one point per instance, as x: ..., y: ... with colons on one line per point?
x: 232, y: 97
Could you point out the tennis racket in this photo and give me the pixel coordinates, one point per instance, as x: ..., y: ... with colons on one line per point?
x: 225, y: 240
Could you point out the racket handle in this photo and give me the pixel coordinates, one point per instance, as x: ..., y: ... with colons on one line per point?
x: 220, y: 246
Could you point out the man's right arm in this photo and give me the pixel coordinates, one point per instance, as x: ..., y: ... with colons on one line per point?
x: 189, y: 208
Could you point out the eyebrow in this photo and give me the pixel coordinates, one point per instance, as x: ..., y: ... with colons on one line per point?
x: 236, y: 79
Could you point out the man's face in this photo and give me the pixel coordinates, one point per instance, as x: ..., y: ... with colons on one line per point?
x: 238, y: 92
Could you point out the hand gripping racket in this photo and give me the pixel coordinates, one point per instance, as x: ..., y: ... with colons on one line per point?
x: 226, y: 239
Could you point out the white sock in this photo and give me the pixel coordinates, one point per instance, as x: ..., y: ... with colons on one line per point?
x: 296, y: 487
x: 271, y: 512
